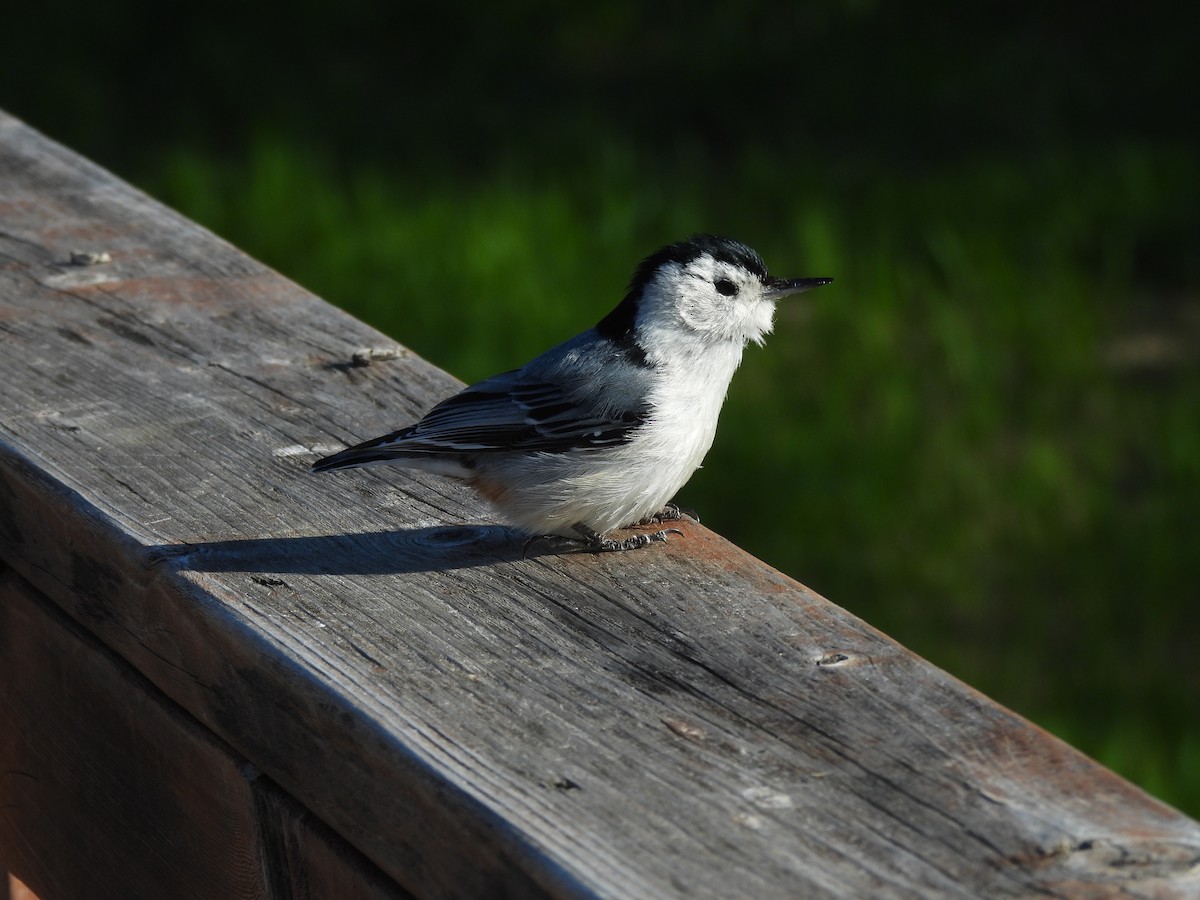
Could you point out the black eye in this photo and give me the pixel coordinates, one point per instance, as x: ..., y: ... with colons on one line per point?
x: 725, y: 286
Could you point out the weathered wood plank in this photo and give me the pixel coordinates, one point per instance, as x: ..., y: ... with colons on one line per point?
x: 87, y: 753
x: 682, y: 721
x: 306, y: 861
x: 108, y: 789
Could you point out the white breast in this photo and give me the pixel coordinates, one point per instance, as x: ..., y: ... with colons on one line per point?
x: 687, y: 401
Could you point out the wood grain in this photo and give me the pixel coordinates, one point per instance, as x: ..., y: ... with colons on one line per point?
x: 306, y: 861
x: 88, y: 752
x: 682, y: 721
x: 107, y: 789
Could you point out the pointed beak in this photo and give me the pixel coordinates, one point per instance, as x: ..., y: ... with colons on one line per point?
x: 778, y: 288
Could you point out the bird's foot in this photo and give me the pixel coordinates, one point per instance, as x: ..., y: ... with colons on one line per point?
x: 594, y: 542
x: 591, y: 541
x: 669, y: 513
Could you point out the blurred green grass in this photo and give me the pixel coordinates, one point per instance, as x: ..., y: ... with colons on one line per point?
x: 972, y: 439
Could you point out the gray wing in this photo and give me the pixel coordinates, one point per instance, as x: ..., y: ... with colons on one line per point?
x: 524, y: 410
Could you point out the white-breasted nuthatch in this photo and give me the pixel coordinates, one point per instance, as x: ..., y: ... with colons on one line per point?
x: 599, y: 432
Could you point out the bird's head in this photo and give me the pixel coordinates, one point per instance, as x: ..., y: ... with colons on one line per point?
x: 712, y: 288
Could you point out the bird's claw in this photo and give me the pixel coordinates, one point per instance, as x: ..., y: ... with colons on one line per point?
x: 633, y: 542
x: 593, y: 542
x: 669, y: 513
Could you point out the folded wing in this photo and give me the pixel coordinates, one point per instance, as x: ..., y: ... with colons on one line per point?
x: 505, y: 413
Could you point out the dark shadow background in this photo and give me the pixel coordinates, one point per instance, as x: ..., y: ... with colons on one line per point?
x: 461, y: 84
x: 984, y: 438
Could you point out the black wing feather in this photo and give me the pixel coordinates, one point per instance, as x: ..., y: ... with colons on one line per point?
x: 505, y: 413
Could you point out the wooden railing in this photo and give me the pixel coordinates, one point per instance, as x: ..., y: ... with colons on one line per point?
x: 222, y: 677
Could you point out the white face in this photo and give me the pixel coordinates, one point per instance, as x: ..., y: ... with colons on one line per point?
x: 714, y: 299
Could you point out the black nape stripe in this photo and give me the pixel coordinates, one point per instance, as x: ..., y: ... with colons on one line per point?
x: 618, y: 327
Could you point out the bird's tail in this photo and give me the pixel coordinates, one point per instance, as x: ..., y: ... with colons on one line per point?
x: 377, y: 450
